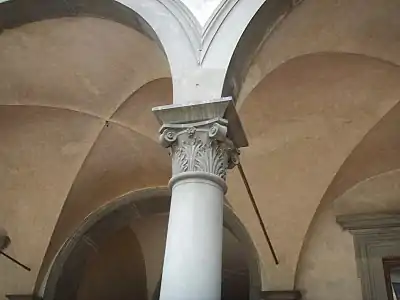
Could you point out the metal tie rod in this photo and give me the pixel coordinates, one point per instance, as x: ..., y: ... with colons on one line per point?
x: 253, y: 202
x: 15, y: 261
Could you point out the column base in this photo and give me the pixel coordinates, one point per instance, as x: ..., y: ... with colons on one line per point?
x: 281, y: 295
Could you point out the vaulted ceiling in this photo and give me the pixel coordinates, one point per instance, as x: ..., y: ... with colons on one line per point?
x: 77, y: 130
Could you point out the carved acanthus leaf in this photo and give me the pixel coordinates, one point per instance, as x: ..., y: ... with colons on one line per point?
x: 200, y: 149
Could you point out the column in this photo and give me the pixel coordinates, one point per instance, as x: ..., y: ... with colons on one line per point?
x: 202, y: 149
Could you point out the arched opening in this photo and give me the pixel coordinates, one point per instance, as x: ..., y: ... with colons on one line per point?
x: 139, y: 220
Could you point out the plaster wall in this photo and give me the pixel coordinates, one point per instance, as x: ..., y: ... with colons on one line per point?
x: 380, y: 148
x: 378, y: 194
x: 303, y: 120
x: 329, y: 250
x: 328, y: 270
x: 373, y: 170
x: 36, y: 172
x: 118, y: 161
x: 61, y: 81
x: 366, y: 27
x: 151, y: 233
x: 84, y: 64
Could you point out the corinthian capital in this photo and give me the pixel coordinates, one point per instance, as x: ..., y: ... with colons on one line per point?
x: 202, y: 137
x: 200, y: 147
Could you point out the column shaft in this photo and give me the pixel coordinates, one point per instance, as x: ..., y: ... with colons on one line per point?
x: 193, y: 255
x: 203, y: 145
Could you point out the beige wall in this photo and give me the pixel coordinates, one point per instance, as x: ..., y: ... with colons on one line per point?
x: 379, y: 148
x: 117, y: 162
x: 151, y: 233
x: 367, y: 27
x: 368, y: 182
x: 303, y: 121
x: 60, y: 81
x: 295, y: 155
x: 377, y: 194
x: 36, y: 171
x: 327, y: 269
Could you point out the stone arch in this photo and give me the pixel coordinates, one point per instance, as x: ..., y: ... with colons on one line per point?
x: 228, y: 41
x: 15, y: 13
x: 64, y: 273
x: 268, y: 16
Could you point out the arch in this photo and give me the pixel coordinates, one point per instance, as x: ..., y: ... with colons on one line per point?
x: 270, y: 14
x: 327, y: 243
x: 377, y: 153
x: 366, y: 181
x: 377, y: 194
x: 199, y: 56
x: 303, y: 121
x: 15, y: 13
x: 330, y: 26
x: 61, y: 281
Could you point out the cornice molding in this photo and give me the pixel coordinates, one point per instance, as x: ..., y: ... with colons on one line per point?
x: 375, y: 236
x: 368, y: 221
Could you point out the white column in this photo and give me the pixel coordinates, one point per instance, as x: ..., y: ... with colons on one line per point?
x: 201, y: 152
x: 193, y: 254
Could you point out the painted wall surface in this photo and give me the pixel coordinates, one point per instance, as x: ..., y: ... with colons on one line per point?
x: 330, y: 26
x: 327, y: 269
x: 381, y: 142
x: 60, y: 81
x: 36, y: 170
x: 151, y: 233
x: 303, y: 120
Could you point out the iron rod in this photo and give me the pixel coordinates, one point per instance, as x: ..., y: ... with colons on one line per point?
x: 253, y: 202
x: 15, y: 261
